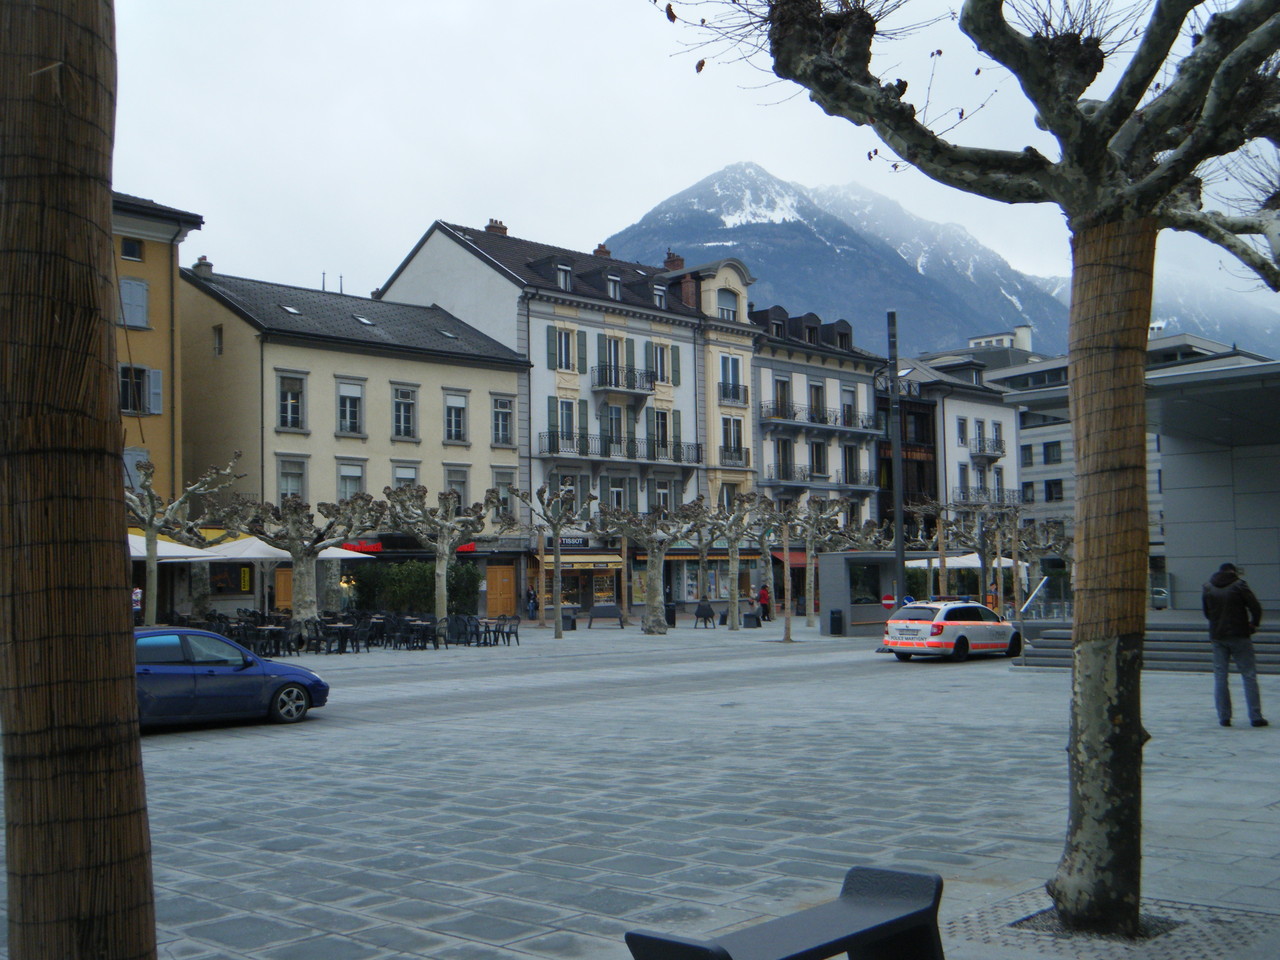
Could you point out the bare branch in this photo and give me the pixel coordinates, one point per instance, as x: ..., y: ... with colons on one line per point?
x: 1226, y: 231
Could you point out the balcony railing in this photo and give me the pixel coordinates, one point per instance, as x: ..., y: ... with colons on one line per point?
x: 838, y: 417
x: 607, y: 447
x: 986, y: 447
x: 733, y: 393
x: 787, y: 472
x: 735, y: 457
x: 993, y: 495
x: 856, y: 478
x: 612, y: 376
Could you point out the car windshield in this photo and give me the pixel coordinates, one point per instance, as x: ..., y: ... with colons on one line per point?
x: 916, y: 613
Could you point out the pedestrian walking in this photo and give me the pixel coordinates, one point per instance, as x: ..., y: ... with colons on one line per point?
x: 531, y: 602
x: 762, y: 598
x: 1234, y: 614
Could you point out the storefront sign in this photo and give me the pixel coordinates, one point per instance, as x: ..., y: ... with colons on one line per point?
x: 364, y: 546
x: 571, y: 543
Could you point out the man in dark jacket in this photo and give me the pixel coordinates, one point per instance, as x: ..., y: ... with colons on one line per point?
x: 1234, y: 614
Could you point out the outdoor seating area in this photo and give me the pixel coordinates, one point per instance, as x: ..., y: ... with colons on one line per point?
x: 278, y: 634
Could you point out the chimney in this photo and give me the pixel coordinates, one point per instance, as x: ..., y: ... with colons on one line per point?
x: 689, y: 290
x: 1022, y: 336
x: 203, y: 268
x: 601, y: 251
x: 496, y: 226
x: 673, y: 261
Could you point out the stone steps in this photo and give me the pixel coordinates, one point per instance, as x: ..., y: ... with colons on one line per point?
x: 1170, y: 648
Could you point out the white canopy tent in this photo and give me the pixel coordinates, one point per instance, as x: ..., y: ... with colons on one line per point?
x: 964, y: 561
x: 165, y: 550
x: 267, y: 558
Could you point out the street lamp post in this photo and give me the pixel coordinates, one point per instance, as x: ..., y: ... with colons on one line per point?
x: 895, y: 447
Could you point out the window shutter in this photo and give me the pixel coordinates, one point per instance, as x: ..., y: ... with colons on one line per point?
x: 633, y: 494
x: 631, y: 352
x: 651, y: 492
x: 629, y: 421
x: 648, y: 355
x: 552, y: 358
x: 675, y: 427
x: 584, y: 489
x: 650, y: 423
x: 582, y: 351
x: 133, y: 302
x: 553, y: 426
x: 583, y: 414
x: 155, y: 384
x: 675, y: 365
x: 602, y: 349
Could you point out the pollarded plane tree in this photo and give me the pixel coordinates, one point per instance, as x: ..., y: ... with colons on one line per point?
x: 708, y: 531
x: 1185, y: 95
x: 444, y: 527
x: 817, y: 525
x: 738, y: 521
x: 655, y: 533
x: 292, y: 526
x: 156, y: 515
x: 554, y: 509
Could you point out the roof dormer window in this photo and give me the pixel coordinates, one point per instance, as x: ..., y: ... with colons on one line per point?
x: 564, y: 276
x: 726, y: 304
x: 660, y: 296
x: 811, y: 335
x: 614, y: 287
x: 288, y: 309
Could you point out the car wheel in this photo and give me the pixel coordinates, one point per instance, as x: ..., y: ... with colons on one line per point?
x: 960, y: 652
x: 289, y: 704
x: 902, y: 656
x: 1015, y: 645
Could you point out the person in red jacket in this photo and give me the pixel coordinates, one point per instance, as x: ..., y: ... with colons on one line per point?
x: 763, y: 599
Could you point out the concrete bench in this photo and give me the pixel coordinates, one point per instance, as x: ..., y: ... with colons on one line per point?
x: 607, y: 611
x: 879, y: 914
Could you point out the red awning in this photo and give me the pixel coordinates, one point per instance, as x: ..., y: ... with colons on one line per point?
x: 797, y: 557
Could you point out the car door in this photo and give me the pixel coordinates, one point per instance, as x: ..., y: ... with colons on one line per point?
x: 166, y: 686
x: 227, y: 684
x: 997, y: 631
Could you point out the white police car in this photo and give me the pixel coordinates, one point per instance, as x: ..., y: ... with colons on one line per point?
x: 953, y: 629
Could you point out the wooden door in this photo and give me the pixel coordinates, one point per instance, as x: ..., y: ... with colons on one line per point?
x: 501, y: 590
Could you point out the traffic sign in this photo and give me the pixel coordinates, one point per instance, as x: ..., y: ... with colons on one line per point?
x: 887, y: 601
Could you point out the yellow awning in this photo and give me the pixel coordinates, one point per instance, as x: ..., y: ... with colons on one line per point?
x: 586, y: 561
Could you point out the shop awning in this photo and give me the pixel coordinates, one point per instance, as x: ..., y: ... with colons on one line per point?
x: 797, y: 557
x: 586, y: 561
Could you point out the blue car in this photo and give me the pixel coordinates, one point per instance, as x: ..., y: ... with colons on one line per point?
x: 187, y: 675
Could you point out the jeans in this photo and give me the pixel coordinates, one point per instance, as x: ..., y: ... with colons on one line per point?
x: 1239, y: 649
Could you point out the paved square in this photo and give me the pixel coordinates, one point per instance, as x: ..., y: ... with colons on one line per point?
x: 538, y: 801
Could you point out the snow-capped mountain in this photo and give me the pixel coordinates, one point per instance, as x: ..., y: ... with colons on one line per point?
x: 847, y: 253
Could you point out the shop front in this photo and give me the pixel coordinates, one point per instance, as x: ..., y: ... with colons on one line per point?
x: 586, y: 579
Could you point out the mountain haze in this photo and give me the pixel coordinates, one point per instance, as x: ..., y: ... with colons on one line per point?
x: 847, y: 253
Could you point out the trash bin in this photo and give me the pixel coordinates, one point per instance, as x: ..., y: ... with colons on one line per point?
x: 568, y: 622
x: 671, y: 614
x: 837, y: 622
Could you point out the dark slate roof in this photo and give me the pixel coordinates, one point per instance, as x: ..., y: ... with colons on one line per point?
x: 138, y: 206
x: 332, y: 319
x: 795, y: 330
x: 533, y: 264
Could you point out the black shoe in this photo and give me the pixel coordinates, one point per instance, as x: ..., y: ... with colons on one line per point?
x: 1260, y: 722
x: 1224, y: 723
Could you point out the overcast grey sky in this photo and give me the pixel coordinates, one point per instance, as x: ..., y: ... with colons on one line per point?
x: 325, y: 136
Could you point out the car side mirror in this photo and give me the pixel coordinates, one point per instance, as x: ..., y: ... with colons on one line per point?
x: 246, y: 662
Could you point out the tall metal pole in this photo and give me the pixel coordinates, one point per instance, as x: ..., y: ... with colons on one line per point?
x: 895, y: 447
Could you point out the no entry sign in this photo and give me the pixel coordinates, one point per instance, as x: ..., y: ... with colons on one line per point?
x: 887, y: 601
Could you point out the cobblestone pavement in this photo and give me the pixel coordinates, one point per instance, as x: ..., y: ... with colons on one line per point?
x: 538, y: 801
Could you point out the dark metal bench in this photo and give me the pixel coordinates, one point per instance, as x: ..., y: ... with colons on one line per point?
x: 609, y: 611
x: 880, y: 915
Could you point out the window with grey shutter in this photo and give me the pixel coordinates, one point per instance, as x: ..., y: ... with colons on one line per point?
x: 134, y: 297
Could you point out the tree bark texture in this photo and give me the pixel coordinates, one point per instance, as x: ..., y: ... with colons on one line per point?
x: 305, y: 598
x: 654, y: 619
x: 1098, y: 882
x: 78, y: 846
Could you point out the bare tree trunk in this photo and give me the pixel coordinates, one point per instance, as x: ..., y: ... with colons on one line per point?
x: 786, y: 581
x: 153, y: 579
x: 78, y: 846
x: 654, y: 620
x: 305, y: 606
x: 442, y: 580
x: 1098, y: 881
x: 810, y: 601
x: 735, y: 595
x: 557, y: 586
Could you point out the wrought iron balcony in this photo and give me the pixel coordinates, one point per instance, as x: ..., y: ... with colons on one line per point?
x: 779, y: 410
x: 985, y: 449
x: 856, y: 478
x: 622, y: 379
x: 837, y: 418
x: 606, y: 447
x: 986, y: 495
x: 787, y: 473
x: 734, y: 394
x: 735, y: 457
